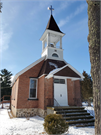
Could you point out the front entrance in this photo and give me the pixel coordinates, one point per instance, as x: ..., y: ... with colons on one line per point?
x: 60, y: 92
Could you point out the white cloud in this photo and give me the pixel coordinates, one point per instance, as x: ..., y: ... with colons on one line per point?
x: 63, y: 22
x: 80, y: 9
x: 68, y: 18
x: 40, y: 7
x: 63, y: 5
x: 9, y: 13
x: 5, y: 38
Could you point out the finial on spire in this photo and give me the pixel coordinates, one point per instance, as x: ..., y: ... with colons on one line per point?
x: 50, y: 8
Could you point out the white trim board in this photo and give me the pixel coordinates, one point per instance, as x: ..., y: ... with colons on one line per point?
x: 64, y: 77
x: 59, y: 69
x: 27, y: 68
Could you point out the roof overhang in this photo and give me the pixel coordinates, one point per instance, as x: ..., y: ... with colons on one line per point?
x: 52, y: 73
x: 27, y: 68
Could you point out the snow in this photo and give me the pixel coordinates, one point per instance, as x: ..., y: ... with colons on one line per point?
x: 33, y: 126
x: 90, y: 109
x: 53, y: 64
x: 54, y: 70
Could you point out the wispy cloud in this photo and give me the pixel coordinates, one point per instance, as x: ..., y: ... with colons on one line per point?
x: 68, y: 18
x: 41, y: 6
x: 5, y: 38
x: 6, y: 24
x: 80, y: 9
x: 64, y: 5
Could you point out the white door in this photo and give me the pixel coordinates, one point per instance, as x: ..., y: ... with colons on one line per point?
x: 60, y: 92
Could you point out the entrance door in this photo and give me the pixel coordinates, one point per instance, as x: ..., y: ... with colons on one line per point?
x: 60, y: 92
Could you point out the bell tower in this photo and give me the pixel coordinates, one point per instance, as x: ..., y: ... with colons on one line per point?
x: 52, y: 40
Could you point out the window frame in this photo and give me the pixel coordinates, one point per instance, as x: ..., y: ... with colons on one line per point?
x: 36, y: 88
x: 55, y: 56
x: 59, y: 81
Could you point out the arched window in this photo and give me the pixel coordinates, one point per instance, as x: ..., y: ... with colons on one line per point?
x: 54, y: 55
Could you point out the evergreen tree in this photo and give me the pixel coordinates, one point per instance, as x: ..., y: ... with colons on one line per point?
x: 5, y: 79
x: 94, y: 50
x: 86, y: 87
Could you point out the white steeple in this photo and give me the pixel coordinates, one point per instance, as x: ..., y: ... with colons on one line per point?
x: 52, y: 41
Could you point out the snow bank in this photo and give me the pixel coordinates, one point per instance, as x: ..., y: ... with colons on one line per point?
x: 33, y: 126
x: 90, y: 109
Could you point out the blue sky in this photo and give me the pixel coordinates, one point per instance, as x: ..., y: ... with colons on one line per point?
x: 23, y: 22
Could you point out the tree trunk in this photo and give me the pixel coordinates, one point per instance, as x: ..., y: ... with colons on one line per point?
x: 94, y: 50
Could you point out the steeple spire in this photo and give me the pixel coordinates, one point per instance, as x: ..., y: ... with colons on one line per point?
x: 50, y: 8
x: 52, y: 25
x: 50, y: 38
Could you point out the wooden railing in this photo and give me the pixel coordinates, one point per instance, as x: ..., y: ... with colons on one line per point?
x: 5, y: 101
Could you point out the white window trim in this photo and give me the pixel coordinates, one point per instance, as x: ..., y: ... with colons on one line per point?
x: 36, y: 88
x: 55, y: 53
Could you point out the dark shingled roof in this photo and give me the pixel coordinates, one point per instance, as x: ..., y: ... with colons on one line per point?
x: 67, y: 72
x: 52, y: 25
x: 47, y: 67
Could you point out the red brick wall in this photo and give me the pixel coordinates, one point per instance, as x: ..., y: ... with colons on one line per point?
x: 49, y: 92
x: 70, y: 91
x: 74, y: 93
x: 77, y: 93
x: 23, y: 89
x: 41, y: 84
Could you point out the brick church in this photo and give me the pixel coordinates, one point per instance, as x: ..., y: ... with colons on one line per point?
x: 50, y: 81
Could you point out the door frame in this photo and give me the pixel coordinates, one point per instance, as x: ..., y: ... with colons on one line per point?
x: 60, y: 77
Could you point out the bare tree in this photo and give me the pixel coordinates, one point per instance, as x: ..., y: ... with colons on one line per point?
x: 94, y: 50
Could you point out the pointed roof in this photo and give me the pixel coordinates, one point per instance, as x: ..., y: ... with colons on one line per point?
x: 66, y: 71
x: 50, y: 65
x: 52, y: 25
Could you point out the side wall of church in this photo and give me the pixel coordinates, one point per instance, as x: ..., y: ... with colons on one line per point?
x: 41, y: 92
x: 70, y: 91
x: 22, y: 101
x: 77, y: 91
x: 74, y: 93
x: 49, y: 92
x: 23, y: 89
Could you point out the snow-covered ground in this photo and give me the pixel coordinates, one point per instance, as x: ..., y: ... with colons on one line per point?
x: 89, y: 109
x: 33, y: 126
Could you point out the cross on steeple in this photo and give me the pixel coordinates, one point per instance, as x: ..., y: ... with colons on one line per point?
x: 50, y: 8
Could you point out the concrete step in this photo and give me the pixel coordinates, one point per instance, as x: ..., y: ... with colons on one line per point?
x: 75, y: 114
x: 78, y: 117
x: 80, y: 121
x: 85, y: 124
x: 68, y: 108
x: 70, y: 111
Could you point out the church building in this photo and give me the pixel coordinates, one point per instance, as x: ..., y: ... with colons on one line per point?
x: 49, y: 81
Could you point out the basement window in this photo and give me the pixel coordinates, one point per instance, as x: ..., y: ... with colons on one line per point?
x: 33, y: 88
x: 60, y: 81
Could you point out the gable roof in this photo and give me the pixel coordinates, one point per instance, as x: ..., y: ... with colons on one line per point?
x: 65, y: 71
x: 52, y: 25
x: 27, y: 68
x: 50, y: 64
